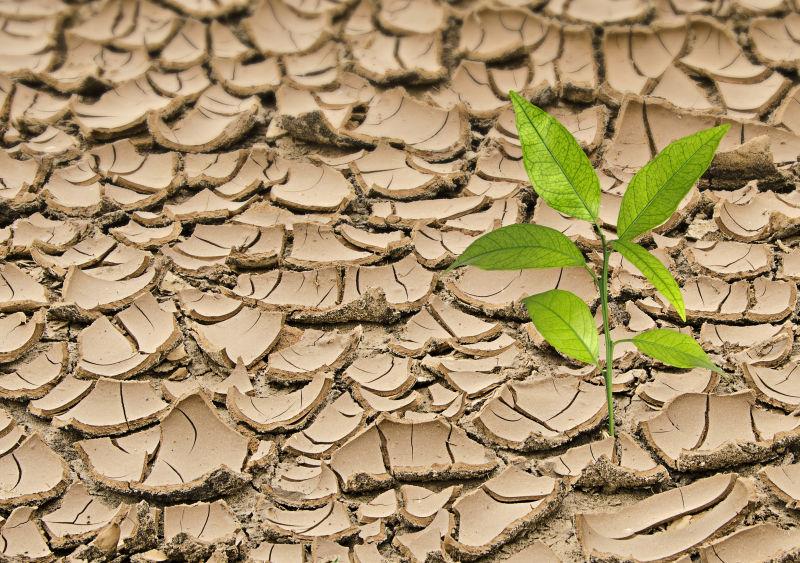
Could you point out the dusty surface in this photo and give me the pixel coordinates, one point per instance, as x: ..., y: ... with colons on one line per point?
x: 225, y: 328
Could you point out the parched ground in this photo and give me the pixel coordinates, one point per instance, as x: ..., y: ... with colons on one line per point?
x: 226, y: 330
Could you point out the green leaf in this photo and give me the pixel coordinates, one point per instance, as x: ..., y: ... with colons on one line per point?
x: 654, y: 271
x: 559, y: 170
x: 565, y: 321
x: 674, y: 349
x: 521, y: 246
x: 657, y: 189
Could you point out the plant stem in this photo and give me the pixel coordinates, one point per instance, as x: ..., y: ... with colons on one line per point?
x: 606, y: 330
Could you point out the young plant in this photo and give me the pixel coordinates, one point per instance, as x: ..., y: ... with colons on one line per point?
x: 561, y: 174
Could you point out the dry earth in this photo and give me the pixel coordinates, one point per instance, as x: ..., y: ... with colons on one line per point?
x: 225, y: 328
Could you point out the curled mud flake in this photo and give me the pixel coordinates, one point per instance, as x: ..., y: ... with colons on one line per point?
x: 730, y: 260
x: 703, y: 431
x: 604, y: 464
x: 420, y: 505
x: 213, y: 169
x: 113, y: 407
x: 435, y: 248
x: 541, y: 414
x: 715, y: 53
x: 207, y: 8
x: 207, y: 307
x: 318, y: 69
x: 52, y: 144
x: 217, y: 120
x: 784, y: 482
x: 246, y: 79
x: 635, y: 58
x: 22, y: 539
x: 721, y: 500
x: 775, y: 40
x: 36, y: 377
x: 94, y: 295
x: 384, y: 374
x: 31, y: 473
x: 317, y: 245
x: 31, y: 108
x: 105, y: 351
x: 283, y: 552
x: 666, y: 385
x: 500, y: 510
x: 359, y: 462
x: 309, y: 293
x: 313, y: 188
x: 79, y: 517
x: 123, y: 165
x: 315, y: 352
x: 303, y: 483
x: 119, y: 461
x: 779, y: 387
x: 251, y: 176
x: 502, y: 292
x: 412, y: 16
x: 396, y: 404
x: 250, y: 335
x: 212, y: 386
x: 753, y: 99
x: 280, y: 412
x: 412, y: 213
x: 427, y: 544
x: 19, y: 291
x: 196, y: 448
x: 74, y: 190
x: 45, y: 234
x: 377, y: 242
x: 425, y: 130
x: 383, y: 506
x: 144, y: 237
x: 185, y: 86
x: 491, y: 34
x: 187, y: 48
x: 750, y: 215
x: 331, y: 522
x: 754, y: 542
x: 64, y: 395
x: 204, y: 522
x: 203, y: 206
x: 276, y: 29
x: 470, y: 87
x: 18, y: 333
x: 761, y: 345
x: 604, y: 12
x: 19, y: 177
x: 675, y: 86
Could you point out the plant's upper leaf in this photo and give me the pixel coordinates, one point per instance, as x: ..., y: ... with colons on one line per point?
x: 674, y: 349
x: 657, y: 189
x: 558, y: 169
x: 565, y: 321
x: 654, y: 271
x: 516, y: 247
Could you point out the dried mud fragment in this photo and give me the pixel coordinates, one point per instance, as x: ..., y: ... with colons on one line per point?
x: 307, y: 294
x: 435, y: 248
x: 765, y: 542
x: 697, y: 431
x: 749, y: 215
x: 37, y: 376
x: 779, y: 387
x: 217, y: 120
x: 185, y: 85
x: 250, y: 334
x: 625, y: 535
x: 318, y: 246
x: 512, y: 501
x: 19, y: 291
x: 420, y: 505
x: 195, y: 454
x: 146, y: 238
x: 280, y: 412
x: 217, y: 390
x: 521, y: 416
x: 424, y: 130
x: 603, y: 463
x: 715, y: 53
x: 207, y: 307
x: 333, y: 425
x: 113, y: 407
x: 188, y: 47
x: 31, y: 473
x: 470, y: 87
x: 313, y: 188
x: 331, y: 522
x: 317, y: 351
x: 665, y: 385
x: 493, y: 34
x: 761, y: 345
x: 64, y: 395
x: 501, y: 293
x: 409, y: 214
x: 428, y: 544
x: 774, y: 40
x: 204, y: 205
x: 278, y: 553
x: 784, y: 482
x: 22, y: 537
x: 377, y: 242
x: 79, y: 517
x: 36, y: 231
x: 18, y: 333
x: 276, y: 29
x: 204, y: 523
x: 303, y: 483
x: 317, y: 69
x: 730, y: 260
x: 383, y: 374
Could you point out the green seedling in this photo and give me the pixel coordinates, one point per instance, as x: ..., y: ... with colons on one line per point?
x: 562, y: 175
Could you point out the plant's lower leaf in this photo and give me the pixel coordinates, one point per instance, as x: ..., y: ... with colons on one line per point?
x: 517, y: 247
x: 565, y: 321
x: 674, y: 349
x: 656, y: 273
